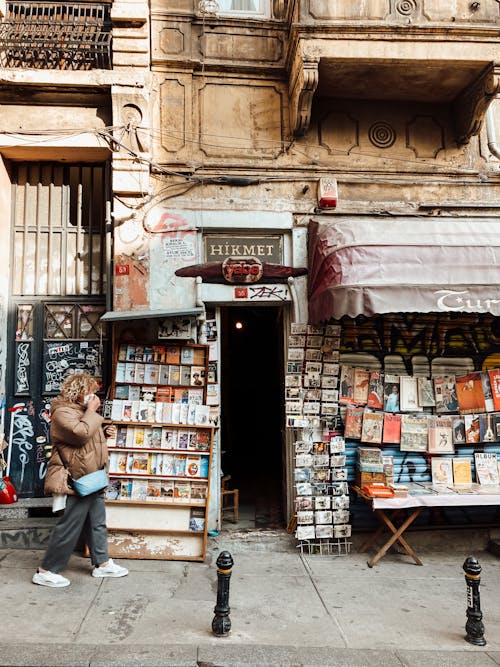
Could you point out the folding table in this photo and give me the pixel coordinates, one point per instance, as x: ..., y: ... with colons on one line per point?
x: 386, y: 510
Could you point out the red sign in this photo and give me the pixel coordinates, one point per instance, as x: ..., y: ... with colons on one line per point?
x: 241, y: 292
x: 242, y: 269
x: 122, y: 270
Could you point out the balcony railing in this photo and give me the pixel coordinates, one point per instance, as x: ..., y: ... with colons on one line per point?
x: 56, y: 35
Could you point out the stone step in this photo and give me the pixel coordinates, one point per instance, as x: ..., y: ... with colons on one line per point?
x: 26, y: 533
x: 26, y: 507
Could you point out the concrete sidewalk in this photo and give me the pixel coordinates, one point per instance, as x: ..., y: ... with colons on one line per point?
x: 286, y: 609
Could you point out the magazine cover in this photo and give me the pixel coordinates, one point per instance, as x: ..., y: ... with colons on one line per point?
x: 488, y: 394
x: 494, y: 376
x: 375, y: 398
x: 458, y: 429
x: 391, y: 393
x: 353, y: 422
x: 346, y: 394
x: 414, y: 433
x: 392, y: 428
x: 425, y: 388
x: 486, y: 468
x: 470, y: 394
x: 462, y: 470
x: 440, y: 435
x: 372, y: 427
x: 139, y: 489
x: 408, y: 394
x: 487, y: 428
x: 361, y: 381
x: 472, y: 430
x: 442, y: 470
x: 445, y: 393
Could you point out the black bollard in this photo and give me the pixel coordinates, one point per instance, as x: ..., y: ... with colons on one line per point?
x: 474, y: 625
x: 221, y: 625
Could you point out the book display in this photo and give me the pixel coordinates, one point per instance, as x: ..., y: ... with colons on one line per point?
x: 312, y: 406
x: 452, y: 421
x: 160, y: 459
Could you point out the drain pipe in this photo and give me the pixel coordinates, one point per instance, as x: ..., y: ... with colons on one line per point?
x: 294, y: 297
x: 109, y: 260
x: 490, y: 132
x: 202, y: 317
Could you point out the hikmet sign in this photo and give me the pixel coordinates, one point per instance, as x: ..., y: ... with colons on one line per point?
x: 218, y: 247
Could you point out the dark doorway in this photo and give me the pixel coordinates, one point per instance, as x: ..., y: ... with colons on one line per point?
x: 252, y: 411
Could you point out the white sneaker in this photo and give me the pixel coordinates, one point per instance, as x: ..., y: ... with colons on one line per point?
x: 50, y: 579
x: 110, y: 570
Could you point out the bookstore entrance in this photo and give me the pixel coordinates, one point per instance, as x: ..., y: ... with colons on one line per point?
x: 252, y: 411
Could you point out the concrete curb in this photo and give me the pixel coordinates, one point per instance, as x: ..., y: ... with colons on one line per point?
x: 126, y: 655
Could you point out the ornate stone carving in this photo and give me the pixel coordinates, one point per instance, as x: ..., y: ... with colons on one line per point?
x: 304, y: 82
x: 134, y: 137
x: 406, y: 7
x: 425, y: 136
x: 382, y: 134
x: 171, y: 41
x: 339, y: 132
x: 470, y: 107
x: 406, y: 10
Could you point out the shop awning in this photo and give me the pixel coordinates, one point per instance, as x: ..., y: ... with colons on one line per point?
x: 360, y: 266
x: 118, y: 315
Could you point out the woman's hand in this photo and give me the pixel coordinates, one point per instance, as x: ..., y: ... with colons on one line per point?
x: 110, y: 431
x: 94, y: 403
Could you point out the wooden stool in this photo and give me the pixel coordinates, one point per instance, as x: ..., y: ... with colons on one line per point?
x: 229, y: 499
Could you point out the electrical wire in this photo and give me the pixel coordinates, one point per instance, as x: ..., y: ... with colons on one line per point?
x: 291, y: 145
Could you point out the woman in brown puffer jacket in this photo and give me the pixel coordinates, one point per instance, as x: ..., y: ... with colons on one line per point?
x: 78, y: 448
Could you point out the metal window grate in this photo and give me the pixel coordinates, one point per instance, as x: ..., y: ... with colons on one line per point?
x: 58, y: 226
x: 46, y: 35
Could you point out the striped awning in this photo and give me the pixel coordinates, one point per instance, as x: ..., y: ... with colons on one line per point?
x: 369, y: 266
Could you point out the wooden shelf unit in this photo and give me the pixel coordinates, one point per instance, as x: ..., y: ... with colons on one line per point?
x: 163, y: 527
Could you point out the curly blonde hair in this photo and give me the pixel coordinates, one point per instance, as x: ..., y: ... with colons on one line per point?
x: 77, y: 385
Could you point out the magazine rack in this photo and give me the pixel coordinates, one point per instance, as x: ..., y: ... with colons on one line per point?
x: 160, y: 460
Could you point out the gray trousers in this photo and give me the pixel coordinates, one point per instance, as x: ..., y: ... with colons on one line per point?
x: 87, y: 514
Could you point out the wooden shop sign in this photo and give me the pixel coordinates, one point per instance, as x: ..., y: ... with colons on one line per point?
x: 242, y: 269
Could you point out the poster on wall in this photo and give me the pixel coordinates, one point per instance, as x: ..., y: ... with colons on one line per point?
x: 177, y: 328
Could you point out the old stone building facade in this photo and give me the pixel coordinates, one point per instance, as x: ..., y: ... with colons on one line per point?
x: 216, y: 125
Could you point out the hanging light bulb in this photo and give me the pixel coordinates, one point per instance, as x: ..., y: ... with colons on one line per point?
x: 238, y: 325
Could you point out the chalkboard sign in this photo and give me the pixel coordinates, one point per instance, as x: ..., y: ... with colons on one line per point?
x: 60, y: 357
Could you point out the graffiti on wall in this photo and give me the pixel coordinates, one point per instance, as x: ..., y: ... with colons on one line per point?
x: 409, y: 334
x: 59, y: 358
x: 23, y: 362
x: 22, y: 431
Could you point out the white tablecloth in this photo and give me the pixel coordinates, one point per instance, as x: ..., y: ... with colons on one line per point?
x: 437, y: 500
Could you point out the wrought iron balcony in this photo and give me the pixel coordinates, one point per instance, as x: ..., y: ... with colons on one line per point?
x: 56, y: 35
